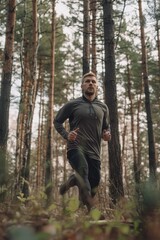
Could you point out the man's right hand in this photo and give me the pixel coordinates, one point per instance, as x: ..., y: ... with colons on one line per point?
x: 106, y: 135
x: 73, y: 135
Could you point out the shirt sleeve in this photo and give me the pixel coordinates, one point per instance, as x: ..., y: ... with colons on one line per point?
x: 62, y: 115
x: 106, y: 121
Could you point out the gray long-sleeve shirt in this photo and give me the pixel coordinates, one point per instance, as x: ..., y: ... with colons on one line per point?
x: 90, y: 117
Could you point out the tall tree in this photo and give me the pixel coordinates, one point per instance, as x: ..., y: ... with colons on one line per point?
x: 115, y: 165
x: 93, y: 7
x: 86, y: 37
x: 151, y: 143
x: 28, y: 92
x: 31, y: 98
x: 6, y: 88
x: 40, y: 143
x: 49, y: 152
x: 130, y: 96
x: 157, y: 28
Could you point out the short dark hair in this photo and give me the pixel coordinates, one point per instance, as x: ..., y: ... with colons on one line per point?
x: 88, y: 74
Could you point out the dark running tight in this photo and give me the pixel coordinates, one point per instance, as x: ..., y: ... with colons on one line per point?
x: 87, y: 168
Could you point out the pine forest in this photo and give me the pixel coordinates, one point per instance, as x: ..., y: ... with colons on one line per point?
x: 45, y: 49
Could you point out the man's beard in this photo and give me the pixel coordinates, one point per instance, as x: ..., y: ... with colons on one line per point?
x: 89, y: 93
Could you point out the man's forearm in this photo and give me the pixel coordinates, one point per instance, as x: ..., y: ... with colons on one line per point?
x: 61, y: 130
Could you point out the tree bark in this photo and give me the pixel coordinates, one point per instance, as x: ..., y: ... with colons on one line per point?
x: 115, y: 164
x: 93, y: 34
x: 27, y: 102
x: 156, y: 8
x: 5, y: 90
x: 49, y: 152
x: 135, y: 162
x: 151, y: 143
x: 40, y: 126
x: 32, y: 92
x: 86, y: 40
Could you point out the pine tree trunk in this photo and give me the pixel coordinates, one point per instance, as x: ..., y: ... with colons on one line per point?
x: 93, y: 34
x: 158, y: 43
x: 22, y: 122
x: 5, y: 92
x: 56, y: 179
x: 27, y: 103
x: 20, y: 118
x: 86, y: 42
x: 40, y: 126
x: 32, y: 92
x: 115, y: 165
x: 136, y: 175
x: 156, y: 7
x: 49, y: 152
x: 138, y: 134
x: 151, y: 143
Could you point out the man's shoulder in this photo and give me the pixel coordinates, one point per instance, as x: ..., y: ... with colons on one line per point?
x: 75, y: 100
x: 100, y: 102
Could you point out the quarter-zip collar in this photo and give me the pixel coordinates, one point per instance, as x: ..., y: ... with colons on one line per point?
x: 88, y: 100
x: 92, y: 111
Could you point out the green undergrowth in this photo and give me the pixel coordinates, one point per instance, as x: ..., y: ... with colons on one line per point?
x: 30, y: 219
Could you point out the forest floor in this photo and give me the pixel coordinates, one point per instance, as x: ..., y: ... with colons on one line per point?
x: 31, y: 221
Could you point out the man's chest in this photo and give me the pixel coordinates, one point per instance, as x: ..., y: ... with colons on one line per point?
x: 88, y: 111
